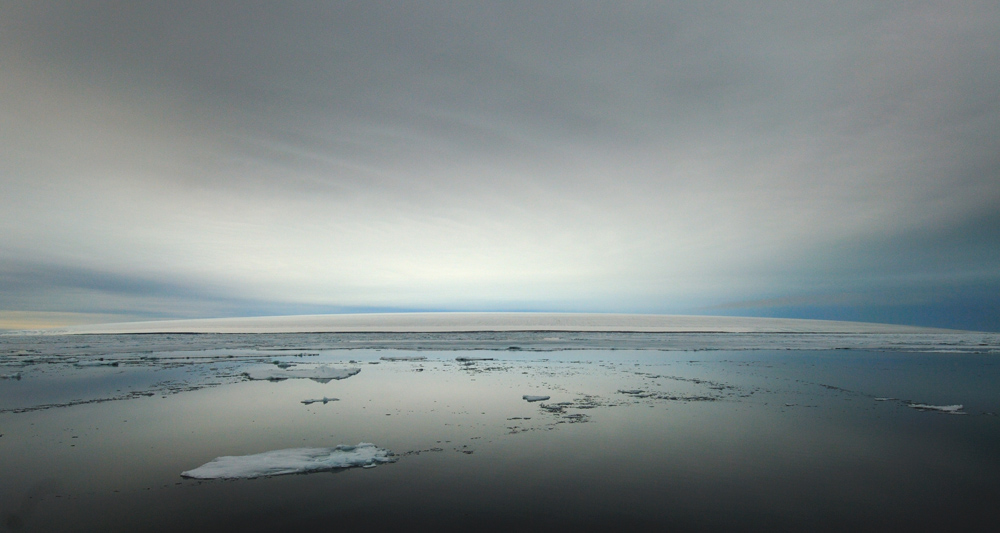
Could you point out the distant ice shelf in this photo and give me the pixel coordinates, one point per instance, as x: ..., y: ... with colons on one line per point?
x: 467, y: 322
x: 291, y: 461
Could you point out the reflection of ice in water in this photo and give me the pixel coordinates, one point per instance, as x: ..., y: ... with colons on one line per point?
x: 291, y: 461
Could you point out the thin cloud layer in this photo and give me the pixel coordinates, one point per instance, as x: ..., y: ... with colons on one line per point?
x: 242, y: 158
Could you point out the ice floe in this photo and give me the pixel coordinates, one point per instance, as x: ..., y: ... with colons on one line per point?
x: 323, y: 400
x: 322, y: 374
x: 95, y: 363
x: 404, y: 358
x: 532, y: 398
x: 949, y: 409
x: 291, y: 461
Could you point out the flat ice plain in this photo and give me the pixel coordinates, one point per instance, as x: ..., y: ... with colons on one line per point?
x: 499, y: 422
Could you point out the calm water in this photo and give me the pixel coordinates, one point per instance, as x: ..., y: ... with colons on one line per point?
x: 690, y: 440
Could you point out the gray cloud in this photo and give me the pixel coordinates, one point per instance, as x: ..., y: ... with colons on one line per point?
x: 500, y: 155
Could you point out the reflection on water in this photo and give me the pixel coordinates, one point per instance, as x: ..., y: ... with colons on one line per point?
x: 707, y: 440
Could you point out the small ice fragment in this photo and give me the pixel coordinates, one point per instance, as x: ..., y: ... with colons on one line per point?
x: 15, y: 375
x: 532, y: 398
x: 950, y: 409
x: 403, y: 358
x: 324, y: 400
x: 291, y: 461
x: 883, y: 399
x: 470, y: 359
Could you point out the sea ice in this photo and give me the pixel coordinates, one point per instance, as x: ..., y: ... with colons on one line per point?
x: 531, y: 398
x: 404, y: 358
x: 950, y: 409
x: 323, y: 399
x: 323, y: 374
x: 291, y: 461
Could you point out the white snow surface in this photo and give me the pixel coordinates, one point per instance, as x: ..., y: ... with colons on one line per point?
x: 291, y: 461
x: 320, y: 373
x: 457, y: 322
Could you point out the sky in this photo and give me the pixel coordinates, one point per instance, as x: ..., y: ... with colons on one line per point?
x: 835, y: 160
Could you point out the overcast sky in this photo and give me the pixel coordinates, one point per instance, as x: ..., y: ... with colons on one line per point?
x: 800, y: 159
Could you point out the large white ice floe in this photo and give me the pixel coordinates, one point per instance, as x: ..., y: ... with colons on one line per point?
x: 950, y: 409
x: 291, y: 461
x: 323, y: 374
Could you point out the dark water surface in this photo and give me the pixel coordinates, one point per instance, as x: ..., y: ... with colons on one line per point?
x: 761, y: 440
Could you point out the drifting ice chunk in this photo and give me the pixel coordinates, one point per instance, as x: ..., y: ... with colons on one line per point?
x: 323, y: 399
x: 291, y: 461
x: 322, y: 374
x: 404, y: 358
x: 950, y: 409
x: 531, y: 398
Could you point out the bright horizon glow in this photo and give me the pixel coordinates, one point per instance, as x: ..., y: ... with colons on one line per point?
x: 480, y: 322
